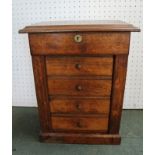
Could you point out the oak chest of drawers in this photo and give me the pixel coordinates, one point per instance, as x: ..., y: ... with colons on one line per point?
x: 80, y: 71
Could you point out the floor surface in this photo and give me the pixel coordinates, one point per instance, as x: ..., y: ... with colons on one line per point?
x: 26, y: 142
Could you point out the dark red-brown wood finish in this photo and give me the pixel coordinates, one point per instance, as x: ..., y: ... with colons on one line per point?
x: 80, y: 71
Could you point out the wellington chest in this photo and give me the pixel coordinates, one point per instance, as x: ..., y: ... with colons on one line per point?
x: 80, y: 71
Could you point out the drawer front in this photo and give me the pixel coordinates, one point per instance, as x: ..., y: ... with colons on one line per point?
x: 79, y: 87
x: 79, y: 123
x: 92, y: 106
x: 79, y: 66
x: 79, y: 43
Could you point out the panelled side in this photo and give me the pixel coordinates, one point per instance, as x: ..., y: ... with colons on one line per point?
x: 41, y: 91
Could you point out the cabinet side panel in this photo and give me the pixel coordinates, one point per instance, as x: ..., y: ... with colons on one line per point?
x: 41, y: 91
x: 119, y: 78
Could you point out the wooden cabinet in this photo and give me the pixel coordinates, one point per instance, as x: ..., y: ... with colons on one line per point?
x: 80, y: 71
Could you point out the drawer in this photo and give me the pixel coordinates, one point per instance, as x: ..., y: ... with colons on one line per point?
x: 80, y: 87
x: 93, y: 106
x: 79, y: 65
x: 79, y: 123
x: 79, y: 43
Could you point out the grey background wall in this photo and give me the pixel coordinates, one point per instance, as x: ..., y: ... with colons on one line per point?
x: 28, y: 12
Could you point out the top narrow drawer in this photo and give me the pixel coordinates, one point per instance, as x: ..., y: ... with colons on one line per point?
x: 94, y: 43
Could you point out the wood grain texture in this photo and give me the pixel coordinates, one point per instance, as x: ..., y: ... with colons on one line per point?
x: 119, y: 78
x: 77, y: 105
x: 83, y: 66
x: 93, y: 43
x: 80, y: 26
x: 77, y: 123
x: 76, y: 87
x: 80, y: 138
x: 41, y: 91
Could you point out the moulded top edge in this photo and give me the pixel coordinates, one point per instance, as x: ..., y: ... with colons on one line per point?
x: 69, y: 26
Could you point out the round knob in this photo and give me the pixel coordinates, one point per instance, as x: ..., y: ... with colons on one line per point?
x: 77, y: 106
x: 79, y: 88
x: 78, y: 124
x: 78, y: 66
x: 78, y: 38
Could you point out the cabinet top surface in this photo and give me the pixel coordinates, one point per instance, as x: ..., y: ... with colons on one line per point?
x: 79, y: 26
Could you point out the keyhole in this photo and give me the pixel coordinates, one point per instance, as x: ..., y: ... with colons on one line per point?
x: 78, y: 38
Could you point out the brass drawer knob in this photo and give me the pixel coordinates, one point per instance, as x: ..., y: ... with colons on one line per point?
x: 77, y: 38
x: 78, y: 66
x: 79, y: 87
